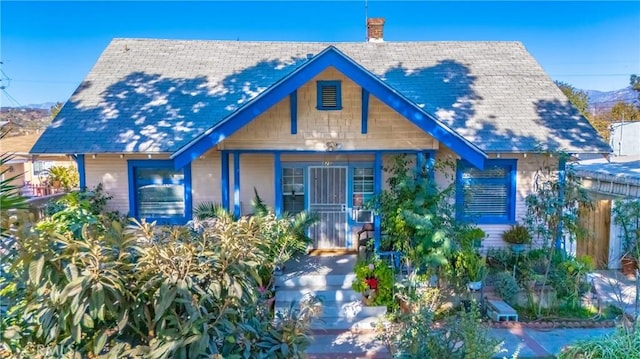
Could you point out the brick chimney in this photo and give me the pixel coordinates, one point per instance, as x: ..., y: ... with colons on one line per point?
x: 374, y: 29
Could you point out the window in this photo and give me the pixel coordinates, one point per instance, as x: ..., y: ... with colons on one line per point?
x: 293, y: 200
x: 159, y: 192
x: 329, y: 96
x: 488, y: 195
x: 362, y: 193
x: 42, y: 167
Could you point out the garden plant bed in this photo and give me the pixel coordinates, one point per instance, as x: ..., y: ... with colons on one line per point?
x: 556, y: 324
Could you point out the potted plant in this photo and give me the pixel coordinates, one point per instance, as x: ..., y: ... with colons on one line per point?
x: 374, y: 279
x: 626, y: 214
x: 474, y: 268
x: 518, y: 236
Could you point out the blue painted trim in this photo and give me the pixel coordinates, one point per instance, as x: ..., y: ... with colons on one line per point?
x: 420, y: 162
x: 431, y: 163
x: 562, y: 180
x: 82, y: 174
x: 322, y: 84
x: 188, y: 204
x: 293, y: 109
x: 323, y: 152
x: 365, y: 111
x: 278, y: 183
x: 224, y: 179
x: 236, y: 184
x: 512, y: 168
x: 377, y: 189
x: 365, y: 79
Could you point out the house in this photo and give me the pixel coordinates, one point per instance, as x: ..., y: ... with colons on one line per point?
x: 33, y: 169
x: 168, y: 124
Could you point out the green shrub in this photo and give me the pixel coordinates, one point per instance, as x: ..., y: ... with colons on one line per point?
x: 143, y: 291
x: 506, y: 287
x: 517, y: 234
x: 624, y: 343
x: 66, y: 177
x: 383, y: 274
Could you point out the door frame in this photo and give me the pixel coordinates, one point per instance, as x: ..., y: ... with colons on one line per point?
x: 345, y: 231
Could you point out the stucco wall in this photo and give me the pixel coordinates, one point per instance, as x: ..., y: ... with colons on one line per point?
x: 386, y: 128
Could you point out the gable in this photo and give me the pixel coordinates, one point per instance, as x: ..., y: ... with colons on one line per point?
x: 330, y: 57
x: 386, y: 129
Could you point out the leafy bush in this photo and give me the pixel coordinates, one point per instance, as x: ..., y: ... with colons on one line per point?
x: 462, y: 335
x: 382, y: 273
x: 66, y: 177
x: 506, y: 287
x: 517, y: 234
x: 624, y: 343
x: 568, y: 278
x: 141, y: 291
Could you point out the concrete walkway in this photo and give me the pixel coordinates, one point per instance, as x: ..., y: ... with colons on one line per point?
x: 332, y: 343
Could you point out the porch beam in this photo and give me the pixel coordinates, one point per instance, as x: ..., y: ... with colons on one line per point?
x: 278, y: 183
x: 236, y: 184
x: 365, y: 111
x: 224, y: 179
x: 377, y: 189
x: 293, y: 108
x: 420, y: 162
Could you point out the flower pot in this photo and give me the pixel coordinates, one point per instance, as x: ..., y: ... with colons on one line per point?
x: 629, y: 266
x: 518, y: 247
x: 368, y: 298
x: 474, y: 285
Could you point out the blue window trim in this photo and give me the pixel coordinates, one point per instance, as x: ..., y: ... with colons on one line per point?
x: 377, y: 188
x: 293, y: 108
x: 511, y: 165
x: 322, y: 84
x: 133, y: 164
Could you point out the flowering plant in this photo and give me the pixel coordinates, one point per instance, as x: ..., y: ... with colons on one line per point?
x: 374, y: 279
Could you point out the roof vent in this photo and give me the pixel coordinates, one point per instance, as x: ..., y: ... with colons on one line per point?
x: 374, y: 29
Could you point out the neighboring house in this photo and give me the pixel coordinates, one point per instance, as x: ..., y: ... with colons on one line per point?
x: 168, y: 124
x: 33, y: 169
x: 607, y: 180
x: 625, y: 138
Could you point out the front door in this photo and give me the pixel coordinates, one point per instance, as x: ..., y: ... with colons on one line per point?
x: 328, y: 198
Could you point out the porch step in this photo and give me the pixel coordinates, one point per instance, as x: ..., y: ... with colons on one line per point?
x: 334, y: 344
x: 292, y: 280
x: 360, y: 323
x: 346, y: 309
x: 325, y: 294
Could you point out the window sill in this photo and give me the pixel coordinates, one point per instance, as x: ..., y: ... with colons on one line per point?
x: 329, y: 108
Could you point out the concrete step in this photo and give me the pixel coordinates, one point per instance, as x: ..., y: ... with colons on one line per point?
x: 348, y: 309
x: 314, y: 280
x: 359, y: 323
x: 326, y: 294
x: 334, y: 344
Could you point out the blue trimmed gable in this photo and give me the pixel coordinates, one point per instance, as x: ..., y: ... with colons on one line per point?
x: 330, y: 57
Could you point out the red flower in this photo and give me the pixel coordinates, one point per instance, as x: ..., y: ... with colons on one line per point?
x: 372, y: 283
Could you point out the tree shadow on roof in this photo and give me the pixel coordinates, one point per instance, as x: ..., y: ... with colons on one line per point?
x: 147, y: 112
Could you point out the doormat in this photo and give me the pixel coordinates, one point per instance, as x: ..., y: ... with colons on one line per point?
x: 331, y: 252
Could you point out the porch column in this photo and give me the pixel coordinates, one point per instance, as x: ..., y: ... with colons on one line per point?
x: 278, y: 183
x: 377, y: 188
x: 236, y: 184
x: 82, y: 176
x: 562, y: 179
x: 420, y: 162
x: 224, y: 180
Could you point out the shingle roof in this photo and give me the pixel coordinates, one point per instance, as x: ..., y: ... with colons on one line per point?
x: 146, y: 95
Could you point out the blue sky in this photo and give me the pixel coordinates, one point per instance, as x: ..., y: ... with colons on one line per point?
x: 48, y: 47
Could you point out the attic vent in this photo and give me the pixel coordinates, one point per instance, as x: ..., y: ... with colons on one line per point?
x: 329, y: 95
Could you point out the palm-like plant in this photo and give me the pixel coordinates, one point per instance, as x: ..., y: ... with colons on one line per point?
x: 10, y: 197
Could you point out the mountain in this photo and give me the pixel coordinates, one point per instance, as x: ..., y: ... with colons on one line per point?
x: 600, y: 101
x: 33, y: 106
